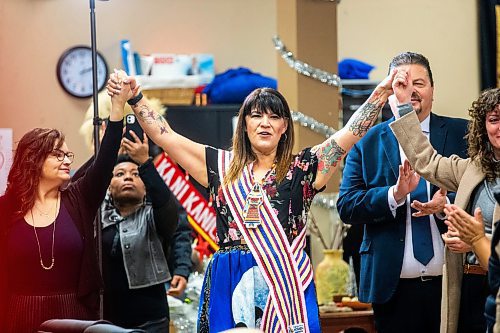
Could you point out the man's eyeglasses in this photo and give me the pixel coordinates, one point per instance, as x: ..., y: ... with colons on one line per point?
x: 59, y: 154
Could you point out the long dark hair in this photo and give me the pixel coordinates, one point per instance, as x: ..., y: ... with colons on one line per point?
x: 479, y: 145
x: 24, y: 176
x: 265, y: 100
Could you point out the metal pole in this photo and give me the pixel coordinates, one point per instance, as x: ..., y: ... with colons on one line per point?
x: 97, y: 126
x: 93, y: 44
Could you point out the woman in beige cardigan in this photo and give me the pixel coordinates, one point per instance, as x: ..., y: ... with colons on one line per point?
x: 470, y: 178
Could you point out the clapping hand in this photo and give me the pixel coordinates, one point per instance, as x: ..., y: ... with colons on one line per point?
x: 469, y: 228
x: 407, y: 181
x: 454, y: 243
x: 435, y: 205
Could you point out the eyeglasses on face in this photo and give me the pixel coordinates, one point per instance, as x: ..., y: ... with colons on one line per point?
x: 59, y: 154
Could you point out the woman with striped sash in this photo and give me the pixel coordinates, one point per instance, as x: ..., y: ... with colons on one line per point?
x: 261, y: 277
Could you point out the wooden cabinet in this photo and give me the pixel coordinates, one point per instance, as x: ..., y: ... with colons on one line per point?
x: 335, y: 322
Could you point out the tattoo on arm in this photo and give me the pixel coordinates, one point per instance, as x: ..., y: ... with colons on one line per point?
x: 329, y: 155
x: 366, y: 115
x: 363, y: 120
x: 151, y: 117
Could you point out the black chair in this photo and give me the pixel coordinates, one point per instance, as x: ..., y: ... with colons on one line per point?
x: 82, y: 326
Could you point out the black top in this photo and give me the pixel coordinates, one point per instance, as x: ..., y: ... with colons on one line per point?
x: 123, y: 306
x: 82, y: 199
x: 68, y: 251
x: 179, y: 252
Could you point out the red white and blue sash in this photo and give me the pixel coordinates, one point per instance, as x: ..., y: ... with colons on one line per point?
x: 286, y: 268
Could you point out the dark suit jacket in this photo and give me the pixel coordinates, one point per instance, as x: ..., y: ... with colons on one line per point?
x: 371, y: 169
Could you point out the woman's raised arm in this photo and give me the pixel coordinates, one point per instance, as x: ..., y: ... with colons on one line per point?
x: 333, y: 149
x: 189, y: 154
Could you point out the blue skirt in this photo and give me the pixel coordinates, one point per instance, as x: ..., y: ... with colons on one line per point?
x: 235, y: 293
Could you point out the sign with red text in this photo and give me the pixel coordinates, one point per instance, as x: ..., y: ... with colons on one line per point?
x: 201, y: 215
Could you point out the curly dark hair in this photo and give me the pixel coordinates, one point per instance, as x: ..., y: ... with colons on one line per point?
x: 477, y: 137
x: 24, y: 176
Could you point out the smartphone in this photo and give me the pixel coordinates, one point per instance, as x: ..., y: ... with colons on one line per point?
x: 132, y: 124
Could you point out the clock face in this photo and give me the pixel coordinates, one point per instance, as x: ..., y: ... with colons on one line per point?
x: 74, y: 71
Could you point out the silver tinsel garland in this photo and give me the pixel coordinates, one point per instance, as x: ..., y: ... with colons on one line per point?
x: 327, y: 201
x: 312, y: 124
x: 304, y: 68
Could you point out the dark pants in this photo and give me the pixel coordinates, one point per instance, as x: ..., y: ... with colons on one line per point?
x: 415, y: 307
x: 472, y: 301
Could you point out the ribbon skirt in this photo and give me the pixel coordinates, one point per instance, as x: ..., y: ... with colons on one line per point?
x: 234, y: 293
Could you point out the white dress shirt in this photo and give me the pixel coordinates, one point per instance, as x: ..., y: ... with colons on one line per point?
x: 412, y: 268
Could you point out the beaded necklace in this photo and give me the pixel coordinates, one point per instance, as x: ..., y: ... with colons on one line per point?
x: 53, y: 237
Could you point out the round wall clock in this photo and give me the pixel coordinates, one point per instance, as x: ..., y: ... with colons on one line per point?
x: 74, y: 71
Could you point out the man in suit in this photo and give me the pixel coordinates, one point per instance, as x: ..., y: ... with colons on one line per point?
x: 402, y: 250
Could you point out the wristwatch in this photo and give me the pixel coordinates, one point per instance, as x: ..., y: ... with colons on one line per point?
x: 404, y: 109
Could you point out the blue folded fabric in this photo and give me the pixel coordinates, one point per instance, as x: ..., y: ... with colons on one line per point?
x: 232, y: 86
x: 354, y: 69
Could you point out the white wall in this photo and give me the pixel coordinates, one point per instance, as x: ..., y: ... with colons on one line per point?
x: 445, y: 31
x: 34, y: 33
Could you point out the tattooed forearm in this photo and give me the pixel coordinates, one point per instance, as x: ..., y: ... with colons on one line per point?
x: 363, y: 119
x: 151, y: 117
x: 366, y: 115
x: 329, y: 155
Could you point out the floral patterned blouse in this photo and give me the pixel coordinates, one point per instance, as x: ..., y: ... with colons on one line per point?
x: 290, y: 199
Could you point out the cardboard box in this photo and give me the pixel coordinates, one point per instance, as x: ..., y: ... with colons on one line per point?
x: 172, y: 96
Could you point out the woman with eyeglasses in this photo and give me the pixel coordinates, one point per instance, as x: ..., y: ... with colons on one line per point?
x: 48, y: 262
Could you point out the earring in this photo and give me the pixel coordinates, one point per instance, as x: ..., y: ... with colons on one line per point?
x: 283, y: 137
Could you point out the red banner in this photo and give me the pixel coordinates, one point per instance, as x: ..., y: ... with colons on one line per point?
x: 201, y: 214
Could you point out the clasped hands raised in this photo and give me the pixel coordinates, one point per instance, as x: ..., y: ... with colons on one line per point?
x: 122, y: 87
